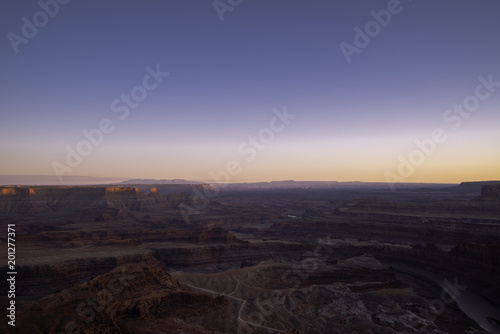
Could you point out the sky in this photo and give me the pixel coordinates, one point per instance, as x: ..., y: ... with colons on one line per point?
x: 251, y: 90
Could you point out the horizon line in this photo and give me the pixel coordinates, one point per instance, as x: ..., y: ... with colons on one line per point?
x: 104, y: 180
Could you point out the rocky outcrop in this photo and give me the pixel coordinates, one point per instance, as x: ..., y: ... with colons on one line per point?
x: 41, y: 279
x: 490, y: 192
x: 124, y: 300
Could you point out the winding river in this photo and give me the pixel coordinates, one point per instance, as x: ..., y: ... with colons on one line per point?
x: 476, y: 307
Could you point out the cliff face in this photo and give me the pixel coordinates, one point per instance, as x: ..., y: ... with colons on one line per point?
x: 37, y: 200
x: 167, y: 189
x: 490, y: 192
x: 99, y: 203
x: 216, y: 257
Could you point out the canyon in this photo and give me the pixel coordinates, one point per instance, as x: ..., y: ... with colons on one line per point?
x: 251, y: 260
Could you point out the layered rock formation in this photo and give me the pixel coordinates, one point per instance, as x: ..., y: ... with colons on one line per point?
x: 167, y: 189
x: 43, y: 200
x: 217, y: 235
x: 490, y: 192
x: 68, y: 235
x: 130, y: 299
x: 99, y: 203
x: 216, y: 257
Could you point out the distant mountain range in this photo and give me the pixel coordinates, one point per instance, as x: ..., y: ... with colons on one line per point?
x: 328, y: 185
x: 52, y: 180
x: 289, y: 184
x: 162, y: 181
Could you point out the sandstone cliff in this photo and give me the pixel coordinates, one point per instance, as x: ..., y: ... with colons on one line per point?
x: 99, y: 203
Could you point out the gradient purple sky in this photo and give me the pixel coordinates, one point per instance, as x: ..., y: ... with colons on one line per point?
x: 353, y: 121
